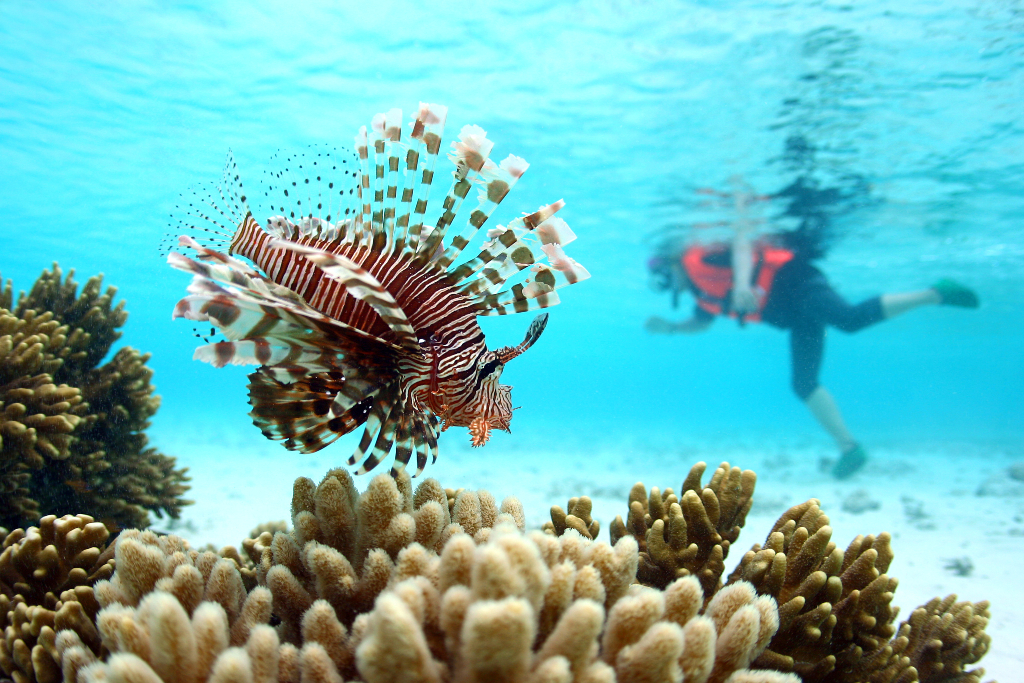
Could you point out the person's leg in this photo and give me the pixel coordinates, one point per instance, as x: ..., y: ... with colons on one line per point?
x: 834, y: 310
x: 827, y: 307
x: 896, y: 304
x: 807, y: 348
x: 826, y: 411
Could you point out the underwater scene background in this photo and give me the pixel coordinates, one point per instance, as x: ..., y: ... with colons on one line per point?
x: 910, y: 112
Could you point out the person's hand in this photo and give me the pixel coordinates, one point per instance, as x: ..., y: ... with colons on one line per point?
x: 658, y: 325
x: 744, y: 301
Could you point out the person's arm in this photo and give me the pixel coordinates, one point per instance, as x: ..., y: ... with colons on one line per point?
x: 743, y: 298
x: 659, y: 325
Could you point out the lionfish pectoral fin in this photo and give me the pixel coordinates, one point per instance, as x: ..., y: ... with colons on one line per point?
x: 379, y: 430
x: 362, y: 285
x: 298, y: 413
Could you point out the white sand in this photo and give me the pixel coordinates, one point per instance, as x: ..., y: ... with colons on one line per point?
x: 927, y: 497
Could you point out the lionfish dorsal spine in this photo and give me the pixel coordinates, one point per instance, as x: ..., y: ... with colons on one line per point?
x: 469, y: 154
x: 375, y: 141
x: 365, y: 202
x: 427, y: 130
x: 393, y: 147
x: 507, y: 253
x: 508, y: 249
x: 404, y: 193
x: 496, y: 182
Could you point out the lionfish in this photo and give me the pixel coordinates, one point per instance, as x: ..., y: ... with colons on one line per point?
x: 356, y: 312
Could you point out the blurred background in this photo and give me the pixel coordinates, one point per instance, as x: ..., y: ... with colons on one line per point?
x: 907, y: 117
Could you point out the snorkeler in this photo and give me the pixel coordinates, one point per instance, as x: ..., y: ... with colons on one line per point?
x: 758, y: 281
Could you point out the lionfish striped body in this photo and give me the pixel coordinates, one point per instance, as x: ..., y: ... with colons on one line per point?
x: 370, y: 320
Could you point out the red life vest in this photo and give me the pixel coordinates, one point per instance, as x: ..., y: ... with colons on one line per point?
x: 713, y: 284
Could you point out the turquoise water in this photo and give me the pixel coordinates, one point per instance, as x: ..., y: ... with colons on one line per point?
x: 623, y: 109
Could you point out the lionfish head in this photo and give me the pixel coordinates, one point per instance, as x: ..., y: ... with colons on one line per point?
x: 492, y: 407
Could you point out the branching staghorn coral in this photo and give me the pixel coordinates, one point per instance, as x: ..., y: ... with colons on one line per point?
x: 578, y: 518
x: 391, y: 585
x: 46, y: 579
x: 506, y: 606
x: 386, y: 587
x: 689, y: 535
x: 71, y: 430
x: 837, y: 620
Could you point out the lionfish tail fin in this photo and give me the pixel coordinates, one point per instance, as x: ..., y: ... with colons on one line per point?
x: 209, y: 213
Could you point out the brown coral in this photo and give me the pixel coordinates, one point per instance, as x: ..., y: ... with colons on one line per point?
x: 345, y: 547
x: 834, y: 607
x: 389, y: 585
x: 836, y: 616
x: 689, y: 535
x: 944, y: 636
x: 490, y: 609
x: 836, y: 613
x: 46, y: 578
x: 37, y: 417
x: 578, y: 517
x: 71, y: 430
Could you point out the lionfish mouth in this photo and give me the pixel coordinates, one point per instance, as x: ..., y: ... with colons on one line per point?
x: 337, y: 295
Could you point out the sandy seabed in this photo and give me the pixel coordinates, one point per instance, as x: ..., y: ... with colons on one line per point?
x: 955, y: 514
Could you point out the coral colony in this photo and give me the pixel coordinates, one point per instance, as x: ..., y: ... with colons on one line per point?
x: 72, y: 431
x: 435, y: 584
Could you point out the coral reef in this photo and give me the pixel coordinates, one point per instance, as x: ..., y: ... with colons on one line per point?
x: 836, y: 621
x: 47, y: 574
x: 689, y: 535
x: 426, y: 585
x: 944, y: 635
x: 578, y: 518
x: 72, y: 430
x: 438, y: 585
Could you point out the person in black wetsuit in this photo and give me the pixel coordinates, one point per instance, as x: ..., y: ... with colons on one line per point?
x: 759, y: 281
